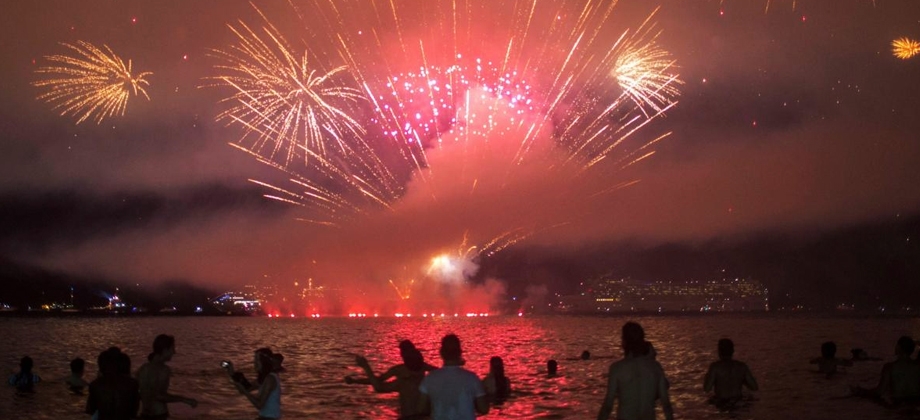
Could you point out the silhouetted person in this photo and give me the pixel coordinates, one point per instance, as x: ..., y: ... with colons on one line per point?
x: 727, y: 376
x: 452, y: 392
x: 900, y: 379
x: 828, y: 362
x: 75, y: 382
x: 154, y: 377
x: 636, y: 381
x: 25, y: 380
x: 268, y: 399
x: 406, y: 379
x: 552, y: 368
x: 113, y: 395
x: 585, y: 355
x: 496, y: 384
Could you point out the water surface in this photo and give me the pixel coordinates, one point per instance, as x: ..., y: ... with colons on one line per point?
x: 319, y: 353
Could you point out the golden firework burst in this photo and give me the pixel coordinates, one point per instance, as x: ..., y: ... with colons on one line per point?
x: 93, y: 83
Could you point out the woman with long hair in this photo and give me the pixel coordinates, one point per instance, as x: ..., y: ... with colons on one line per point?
x: 496, y: 384
x: 267, y: 399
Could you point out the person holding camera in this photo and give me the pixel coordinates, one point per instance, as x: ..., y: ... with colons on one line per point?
x: 267, y: 399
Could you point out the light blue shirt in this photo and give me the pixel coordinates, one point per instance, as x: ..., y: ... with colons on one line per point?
x: 453, y: 391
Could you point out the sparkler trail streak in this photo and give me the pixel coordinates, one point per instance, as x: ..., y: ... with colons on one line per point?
x: 905, y: 48
x: 92, y: 84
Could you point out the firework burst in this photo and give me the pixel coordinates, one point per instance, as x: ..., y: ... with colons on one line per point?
x: 288, y: 108
x: 905, y: 48
x: 644, y: 72
x: 94, y: 83
x: 391, y: 82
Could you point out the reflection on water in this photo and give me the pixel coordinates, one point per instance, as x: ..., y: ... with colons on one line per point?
x: 319, y: 354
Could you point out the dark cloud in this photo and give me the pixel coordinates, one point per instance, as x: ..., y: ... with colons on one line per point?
x: 33, y: 221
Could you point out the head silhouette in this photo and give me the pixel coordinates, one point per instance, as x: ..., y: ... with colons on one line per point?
x: 552, y: 367
x: 77, y: 366
x: 906, y: 345
x: 634, y: 339
x: 828, y: 350
x: 25, y: 364
x: 163, y: 346
x: 450, y: 348
x: 726, y: 349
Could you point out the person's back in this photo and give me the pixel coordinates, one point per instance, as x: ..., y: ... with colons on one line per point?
x: 452, y: 392
x: 114, y: 397
x: 407, y: 386
x: 900, y: 379
x: 25, y: 380
x: 636, y: 381
x: 828, y: 362
x: 639, y: 380
x: 114, y: 394
x: 727, y: 376
x: 905, y: 379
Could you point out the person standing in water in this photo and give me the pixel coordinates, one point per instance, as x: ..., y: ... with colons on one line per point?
x: 636, y: 381
x: 268, y: 398
x: 154, y: 377
x: 452, y: 392
x: 406, y: 378
x: 726, y: 376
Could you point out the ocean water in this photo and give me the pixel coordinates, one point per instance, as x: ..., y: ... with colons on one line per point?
x: 319, y: 353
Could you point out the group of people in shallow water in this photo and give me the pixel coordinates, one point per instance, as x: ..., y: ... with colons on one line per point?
x: 450, y: 392
x: 116, y: 395
x: 635, y: 383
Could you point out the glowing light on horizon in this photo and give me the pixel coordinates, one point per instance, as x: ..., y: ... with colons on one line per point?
x: 93, y: 83
x: 905, y: 48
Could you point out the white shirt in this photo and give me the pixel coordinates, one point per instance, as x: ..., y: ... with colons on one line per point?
x: 453, y: 391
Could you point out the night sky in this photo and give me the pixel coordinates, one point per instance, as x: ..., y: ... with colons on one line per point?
x: 794, y: 118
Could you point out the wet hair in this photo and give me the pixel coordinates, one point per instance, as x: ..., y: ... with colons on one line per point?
x: 266, y: 363
x: 406, y: 345
x: 413, y: 360
x: 552, y: 367
x: 906, y: 345
x: 726, y: 348
x: 162, y: 343
x: 828, y: 350
x: 585, y: 355
x: 497, y: 368
x: 634, y: 339
x: 77, y: 366
x: 450, y: 347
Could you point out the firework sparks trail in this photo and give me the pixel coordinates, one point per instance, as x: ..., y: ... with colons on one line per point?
x: 281, y: 100
x: 93, y: 84
x: 905, y: 48
x: 408, y: 78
